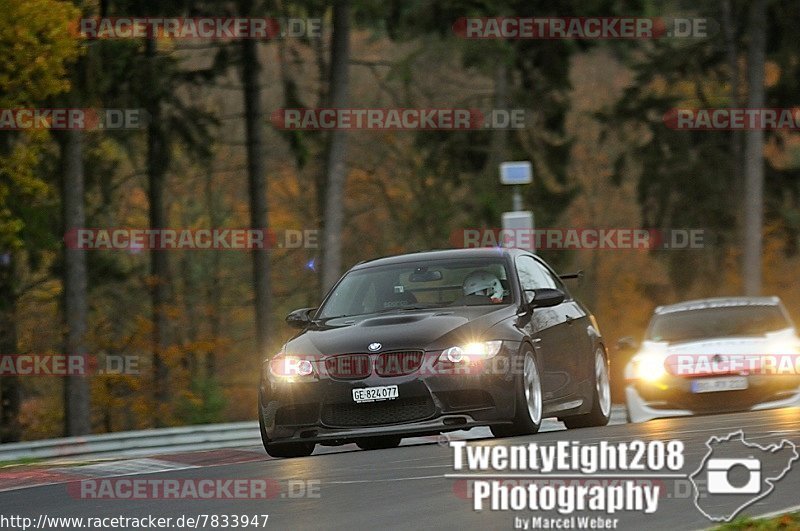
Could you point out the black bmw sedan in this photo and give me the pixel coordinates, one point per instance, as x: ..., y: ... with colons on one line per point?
x: 431, y: 342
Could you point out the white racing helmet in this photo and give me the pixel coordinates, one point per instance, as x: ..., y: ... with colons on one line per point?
x: 484, y: 283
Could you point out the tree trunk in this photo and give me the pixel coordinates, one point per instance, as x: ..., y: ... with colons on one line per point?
x: 335, y: 167
x: 754, y: 151
x: 214, y: 292
x: 77, y: 420
x: 157, y: 163
x: 257, y: 181
x: 498, y: 148
x: 732, y: 58
x: 10, y: 391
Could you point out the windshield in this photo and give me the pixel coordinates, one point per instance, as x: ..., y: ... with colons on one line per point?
x: 717, y: 322
x: 416, y: 285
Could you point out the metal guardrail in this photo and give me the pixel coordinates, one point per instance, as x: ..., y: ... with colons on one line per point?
x: 164, y: 440
x: 131, y: 443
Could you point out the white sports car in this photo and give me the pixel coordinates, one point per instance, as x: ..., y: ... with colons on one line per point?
x: 712, y: 356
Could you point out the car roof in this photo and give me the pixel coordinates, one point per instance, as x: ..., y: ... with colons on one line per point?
x: 717, y: 302
x: 446, y: 254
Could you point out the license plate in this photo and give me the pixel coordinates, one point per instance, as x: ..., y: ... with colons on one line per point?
x: 375, y: 394
x: 711, y: 385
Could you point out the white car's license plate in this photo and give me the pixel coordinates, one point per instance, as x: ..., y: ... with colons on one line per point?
x: 374, y: 394
x: 728, y: 383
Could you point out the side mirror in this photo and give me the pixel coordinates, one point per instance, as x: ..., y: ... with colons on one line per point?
x: 626, y: 343
x: 300, y: 318
x: 545, y: 297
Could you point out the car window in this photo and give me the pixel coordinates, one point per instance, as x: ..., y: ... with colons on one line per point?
x: 709, y: 323
x: 560, y: 284
x: 417, y: 285
x: 533, y: 275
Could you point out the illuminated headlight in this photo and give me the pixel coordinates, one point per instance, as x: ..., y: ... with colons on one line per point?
x: 648, y: 366
x: 471, y: 352
x: 783, y: 342
x: 784, y: 347
x: 288, y: 366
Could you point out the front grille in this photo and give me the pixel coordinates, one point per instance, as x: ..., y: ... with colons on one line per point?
x: 398, y: 363
x: 387, y: 364
x: 348, y: 366
x: 394, y: 411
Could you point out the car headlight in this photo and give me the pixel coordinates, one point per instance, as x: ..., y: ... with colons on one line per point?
x: 649, y: 363
x: 470, y: 352
x: 783, y: 347
x: 288, y: 366
x: 649, y: 366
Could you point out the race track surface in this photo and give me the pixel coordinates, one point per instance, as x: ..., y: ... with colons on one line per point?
x: 401, y: 488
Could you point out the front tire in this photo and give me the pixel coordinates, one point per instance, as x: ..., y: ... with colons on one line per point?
x: 528, y: 415
x: 601, y: 397
x: 293, y: 449
x: 379, y: 443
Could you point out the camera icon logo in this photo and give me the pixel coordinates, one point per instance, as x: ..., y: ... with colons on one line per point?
x: 718, y: 476
x: 735, y: 473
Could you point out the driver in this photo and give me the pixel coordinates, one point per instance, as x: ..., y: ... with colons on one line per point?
x: 483, y: 283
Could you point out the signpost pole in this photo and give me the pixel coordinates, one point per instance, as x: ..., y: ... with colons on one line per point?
x: 518, y: 224
x: 517, y: 199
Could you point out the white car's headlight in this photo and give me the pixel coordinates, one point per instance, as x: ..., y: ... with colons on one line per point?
x: 470, y: 352
x: 783, y: 342
x: 783, y: 347
x: 649, y: 366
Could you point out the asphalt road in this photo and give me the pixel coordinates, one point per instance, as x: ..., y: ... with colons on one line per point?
x: 405, y: 487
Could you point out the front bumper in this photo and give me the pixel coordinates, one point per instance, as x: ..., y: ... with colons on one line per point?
x: 321, y: 409
x: 672, y: 397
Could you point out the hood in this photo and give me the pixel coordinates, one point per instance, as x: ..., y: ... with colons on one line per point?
x: 401, y: 330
